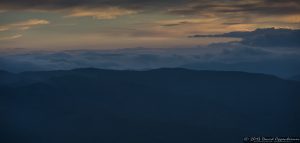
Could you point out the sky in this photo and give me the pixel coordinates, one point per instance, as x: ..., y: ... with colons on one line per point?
x: 110, y: 24
x: 259, y: 36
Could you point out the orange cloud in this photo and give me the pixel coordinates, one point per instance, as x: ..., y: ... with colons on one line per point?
x: 10, y: 37
x: 23, y: 25
x: 104, y: 13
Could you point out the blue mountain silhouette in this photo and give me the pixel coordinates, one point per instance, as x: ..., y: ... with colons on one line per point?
x: 163, y: 105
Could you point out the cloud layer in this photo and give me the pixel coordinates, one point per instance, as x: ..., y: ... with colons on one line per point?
x: 230, y: 9
x: 269, y: 37
x: 225, y: 56
x: 105, y: 20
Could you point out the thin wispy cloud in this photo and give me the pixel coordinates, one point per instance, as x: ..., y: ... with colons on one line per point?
x: 105, y: 13
x: 19, y: 27
x: 10, y: 37
x: 23, y: 25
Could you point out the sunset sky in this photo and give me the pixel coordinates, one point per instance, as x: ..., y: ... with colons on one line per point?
x: 104, y: 24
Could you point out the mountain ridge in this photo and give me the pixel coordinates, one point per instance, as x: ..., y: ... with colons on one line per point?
x: 163, y: 105
x: 15, y: 77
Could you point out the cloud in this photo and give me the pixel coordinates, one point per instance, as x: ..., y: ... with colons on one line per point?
x: 248, y: 13
x: 90, y: 8
x: 66, y: 4
x: 31, y: 22
x: 176, y: 24
x: 105, y: 13
x: 225, y: 15
x: 245, y: 51
x: 182, y: 7
x: 23, y: 25
x: 267, y: 37
x: 264, y: 7
x: 10, y: 37
x: 3, y: 28
x: 20, y: 26
x: 225, y: 56
x: 190, y: 21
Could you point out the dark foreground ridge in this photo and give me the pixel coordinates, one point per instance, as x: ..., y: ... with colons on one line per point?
x: 161, y: 106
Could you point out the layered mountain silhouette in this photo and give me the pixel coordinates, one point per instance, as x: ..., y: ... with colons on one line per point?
x: 163, y: 105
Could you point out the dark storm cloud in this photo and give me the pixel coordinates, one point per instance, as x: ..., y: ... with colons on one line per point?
x: 185, y: 7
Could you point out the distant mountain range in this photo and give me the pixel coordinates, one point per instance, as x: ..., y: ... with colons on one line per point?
x: 162, y: 105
